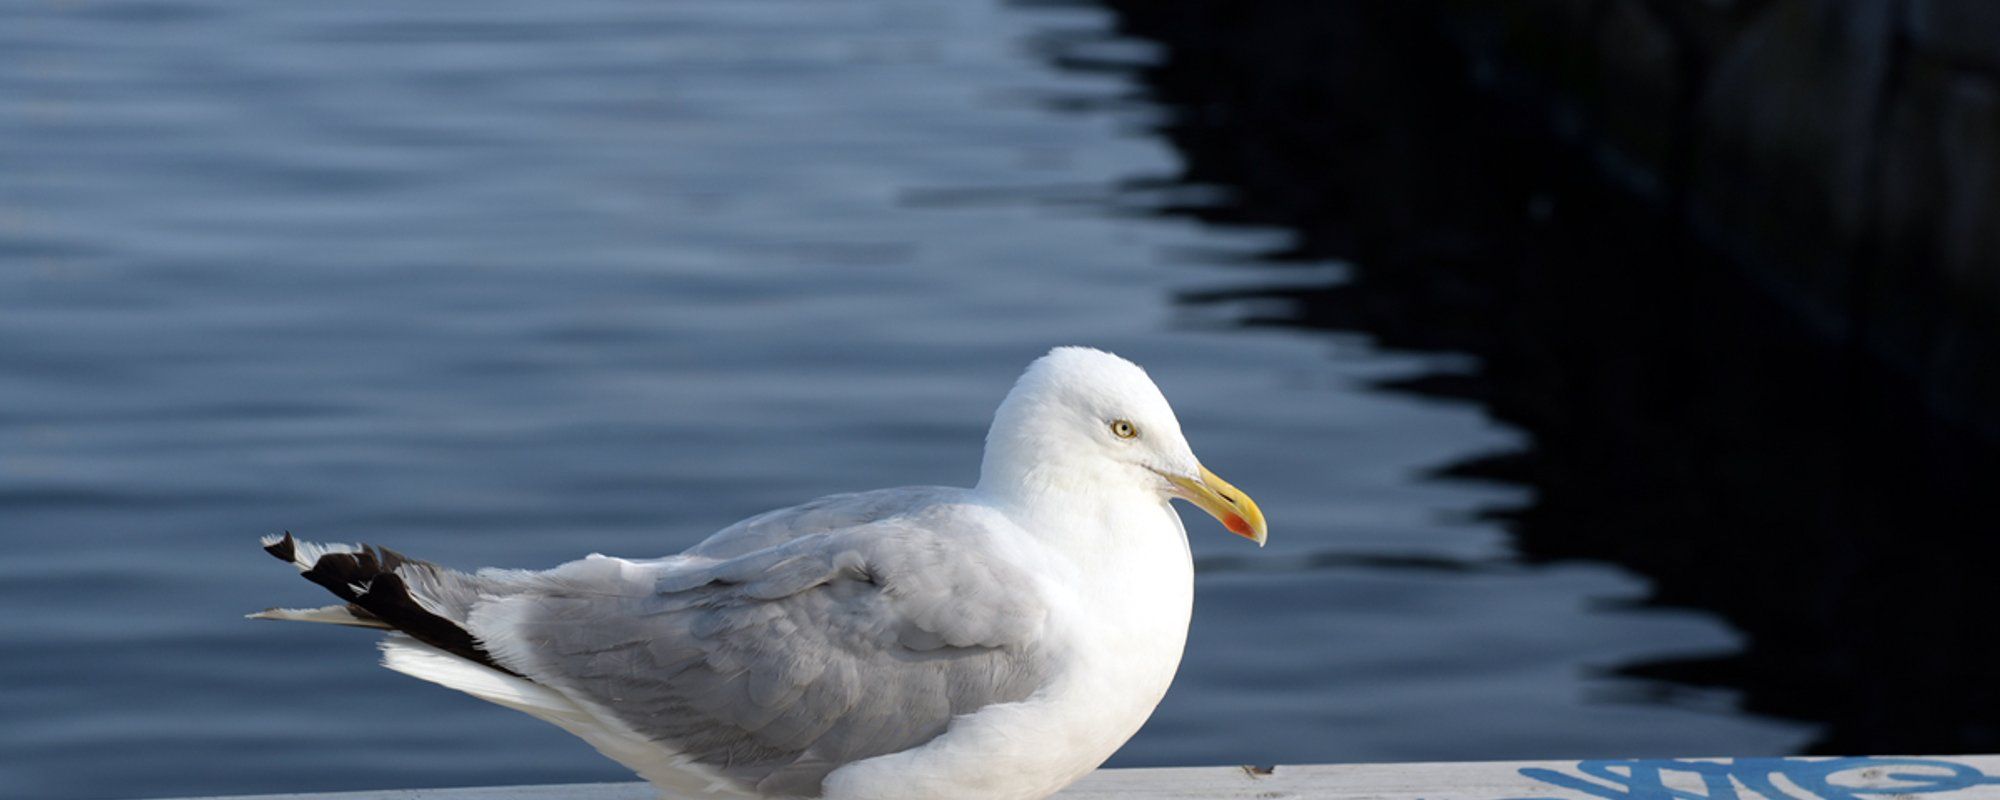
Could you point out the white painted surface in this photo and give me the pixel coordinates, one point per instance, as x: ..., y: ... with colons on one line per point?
x: 1889, y: 778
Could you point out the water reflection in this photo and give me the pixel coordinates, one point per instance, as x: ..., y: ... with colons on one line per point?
x: 510, y: 283
x: 1684, y: 424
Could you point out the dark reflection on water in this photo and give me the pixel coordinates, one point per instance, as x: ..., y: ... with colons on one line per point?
x: 1684, y: 424
x: 511, y: 283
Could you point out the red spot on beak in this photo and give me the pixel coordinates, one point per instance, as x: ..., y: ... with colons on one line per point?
x: 1238, y: 525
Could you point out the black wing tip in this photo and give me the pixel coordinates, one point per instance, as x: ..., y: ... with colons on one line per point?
x: 284, y: 547
x: 337, y: 572
x: 368, y: 581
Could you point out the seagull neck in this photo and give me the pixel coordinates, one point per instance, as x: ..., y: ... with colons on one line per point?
x: 1027, y: 486
x: 1052, y: 502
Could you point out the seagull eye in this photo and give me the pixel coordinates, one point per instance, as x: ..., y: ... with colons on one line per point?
x: 1123, y: 429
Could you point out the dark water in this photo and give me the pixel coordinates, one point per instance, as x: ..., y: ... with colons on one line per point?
x: 1747, y: 455
x: 506, y: 284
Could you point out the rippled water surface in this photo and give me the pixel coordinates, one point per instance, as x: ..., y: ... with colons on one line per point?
x: 506, y: 283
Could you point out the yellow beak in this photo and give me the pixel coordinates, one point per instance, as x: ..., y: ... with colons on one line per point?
x: 1227, y: 503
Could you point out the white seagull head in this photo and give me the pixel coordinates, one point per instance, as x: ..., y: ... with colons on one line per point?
x: 1081, y: 420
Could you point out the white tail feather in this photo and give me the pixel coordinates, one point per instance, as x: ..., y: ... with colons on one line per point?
x: 330, y: 615
x: 675, y: 775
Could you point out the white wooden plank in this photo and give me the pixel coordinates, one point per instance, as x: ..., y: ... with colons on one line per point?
x: 1955, y: 778
x: 1895, y: 778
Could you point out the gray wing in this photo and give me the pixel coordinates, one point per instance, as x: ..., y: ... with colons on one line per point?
x: 779, y: 665
x: 830, y: 513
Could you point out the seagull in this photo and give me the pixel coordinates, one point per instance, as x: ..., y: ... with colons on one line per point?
x: 997, y: 642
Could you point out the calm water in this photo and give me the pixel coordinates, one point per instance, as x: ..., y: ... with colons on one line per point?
x: 509, y: 283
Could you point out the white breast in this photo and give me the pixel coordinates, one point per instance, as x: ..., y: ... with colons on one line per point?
x: 1123, y: 608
